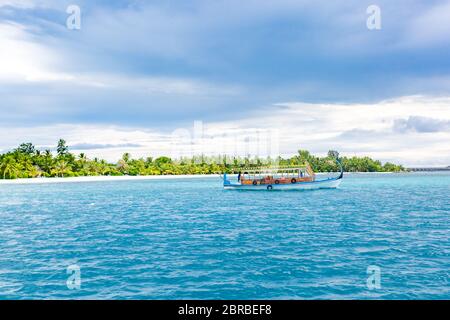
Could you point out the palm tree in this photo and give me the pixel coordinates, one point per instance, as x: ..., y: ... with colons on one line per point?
x: 35, y: 171
x: 47, y: 161
x: 62, y: 148
x: 126, y: 157
x: 26, y: 148
x: 104, y: 168
x: 10, y: 168
x: 61, y: 168
x: 122, y: 166
x: 333, y: 154
x: 82, y: 157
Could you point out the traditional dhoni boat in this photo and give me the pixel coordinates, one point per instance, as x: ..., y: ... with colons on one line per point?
x: 282, y: 178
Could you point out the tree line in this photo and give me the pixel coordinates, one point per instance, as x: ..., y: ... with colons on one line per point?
x: 26, y: 161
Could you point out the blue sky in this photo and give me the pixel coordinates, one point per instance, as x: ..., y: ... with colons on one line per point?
x: 151, y: 67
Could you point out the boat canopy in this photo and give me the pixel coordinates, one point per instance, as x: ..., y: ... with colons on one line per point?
x: 273, y: 168
x: 281, y: 171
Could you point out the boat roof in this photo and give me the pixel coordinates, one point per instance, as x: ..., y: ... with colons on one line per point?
x: 272, y: 169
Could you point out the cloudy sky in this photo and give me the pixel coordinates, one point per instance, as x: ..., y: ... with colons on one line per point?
x: 179, y: 77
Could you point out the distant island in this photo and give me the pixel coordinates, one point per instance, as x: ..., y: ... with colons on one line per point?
x: 28, y: 162
x: 428, y: 169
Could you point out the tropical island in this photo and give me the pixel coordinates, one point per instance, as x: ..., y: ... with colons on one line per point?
x: 26, y: 161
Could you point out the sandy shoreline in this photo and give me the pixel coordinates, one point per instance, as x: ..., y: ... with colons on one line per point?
x: 106, y: 178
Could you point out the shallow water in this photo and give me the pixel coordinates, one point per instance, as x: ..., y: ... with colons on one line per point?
x: 189, y: 239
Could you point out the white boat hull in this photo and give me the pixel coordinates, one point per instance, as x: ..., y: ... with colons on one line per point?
x: 331, y: 183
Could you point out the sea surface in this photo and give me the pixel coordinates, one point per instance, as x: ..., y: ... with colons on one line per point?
x: 379, y: 236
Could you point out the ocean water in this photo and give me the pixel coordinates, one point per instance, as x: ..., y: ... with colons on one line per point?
x: 189, y: 239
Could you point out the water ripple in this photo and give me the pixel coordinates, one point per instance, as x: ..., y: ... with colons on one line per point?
x: 189, y: 239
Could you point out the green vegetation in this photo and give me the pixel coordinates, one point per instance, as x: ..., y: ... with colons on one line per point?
x: 28, y: 162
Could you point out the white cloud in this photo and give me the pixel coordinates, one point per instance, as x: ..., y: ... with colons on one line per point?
x: 363, y: 129
x: 150, y: 84
x: 430, y: 27
x: 24, y: 60
x: 421, y: 124
x: 23, y: 4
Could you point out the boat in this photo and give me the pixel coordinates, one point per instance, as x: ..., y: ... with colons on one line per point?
x: 282, y: 178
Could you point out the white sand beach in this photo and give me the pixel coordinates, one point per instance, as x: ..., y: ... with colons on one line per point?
x: 105, y: 179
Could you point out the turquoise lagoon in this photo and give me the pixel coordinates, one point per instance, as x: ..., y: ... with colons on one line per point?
x: 189, y: 239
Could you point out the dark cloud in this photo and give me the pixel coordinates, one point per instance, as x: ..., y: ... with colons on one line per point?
x: 90, y: 146
x: 272, y: 51
x: 357, y: 134
x: 421, y: 124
